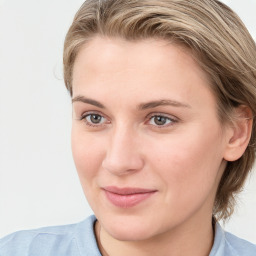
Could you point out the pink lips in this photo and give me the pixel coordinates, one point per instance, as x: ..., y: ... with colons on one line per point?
x: 127, y: 197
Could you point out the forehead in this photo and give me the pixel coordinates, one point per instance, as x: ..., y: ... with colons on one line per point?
x: 151, y: 65
x: 104, y: 50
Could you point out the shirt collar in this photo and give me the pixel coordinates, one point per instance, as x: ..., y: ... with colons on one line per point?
x: 86, y: 233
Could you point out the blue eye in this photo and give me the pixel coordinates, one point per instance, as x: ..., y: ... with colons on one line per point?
x: 159, y: 120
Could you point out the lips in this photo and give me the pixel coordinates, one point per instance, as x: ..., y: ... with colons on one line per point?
x: 127, y: 197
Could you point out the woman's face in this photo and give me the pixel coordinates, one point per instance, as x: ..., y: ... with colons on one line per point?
x: 146, y: 139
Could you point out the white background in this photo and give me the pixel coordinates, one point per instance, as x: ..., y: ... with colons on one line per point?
x: 38, y: 181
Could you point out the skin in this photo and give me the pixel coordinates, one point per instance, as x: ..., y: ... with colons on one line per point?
x: 182, y: 158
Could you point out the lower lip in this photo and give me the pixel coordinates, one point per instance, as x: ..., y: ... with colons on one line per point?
x: 127, y: 201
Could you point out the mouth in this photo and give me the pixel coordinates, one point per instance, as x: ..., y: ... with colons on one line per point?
x: 127, y: 197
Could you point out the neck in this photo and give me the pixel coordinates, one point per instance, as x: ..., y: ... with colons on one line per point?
x: 188, y: 239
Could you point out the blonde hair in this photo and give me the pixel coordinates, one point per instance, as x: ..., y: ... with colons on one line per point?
x: 218, y: 40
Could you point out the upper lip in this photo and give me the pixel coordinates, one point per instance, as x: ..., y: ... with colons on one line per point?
x: 128, y: 190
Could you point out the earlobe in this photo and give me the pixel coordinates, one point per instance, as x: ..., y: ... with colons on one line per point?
x: 240, y: 134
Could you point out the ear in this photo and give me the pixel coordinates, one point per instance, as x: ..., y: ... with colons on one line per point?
x: 240, y: 133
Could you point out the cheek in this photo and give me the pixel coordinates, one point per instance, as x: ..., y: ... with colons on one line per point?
x: 189, y: 164
x: 87, y: 154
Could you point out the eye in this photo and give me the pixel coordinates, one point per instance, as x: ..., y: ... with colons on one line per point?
x: 160, y: 120
x: 94, y: 119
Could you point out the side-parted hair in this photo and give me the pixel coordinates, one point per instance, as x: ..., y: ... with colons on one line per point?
x: 218, y: 40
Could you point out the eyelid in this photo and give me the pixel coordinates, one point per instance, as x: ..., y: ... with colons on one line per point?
x: 171, y: 117
x: 91, y: 112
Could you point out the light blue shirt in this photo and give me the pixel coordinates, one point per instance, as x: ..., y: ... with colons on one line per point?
x: 79, y: 240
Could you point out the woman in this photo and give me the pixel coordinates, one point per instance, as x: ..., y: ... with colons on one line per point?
x: 163, y: 134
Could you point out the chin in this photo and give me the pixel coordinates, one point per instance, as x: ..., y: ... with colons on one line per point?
x: 128, y: 234
x: 129, y: 228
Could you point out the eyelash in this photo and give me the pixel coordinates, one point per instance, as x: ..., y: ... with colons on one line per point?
x: 171, y: 120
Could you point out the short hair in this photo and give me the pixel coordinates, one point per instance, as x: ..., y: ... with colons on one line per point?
x: 219, y: 42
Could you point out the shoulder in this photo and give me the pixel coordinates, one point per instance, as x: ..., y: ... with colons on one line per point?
x: 41, y: 241
x: 227, y: 244
x: 51, y: 241
x: 239, y: 246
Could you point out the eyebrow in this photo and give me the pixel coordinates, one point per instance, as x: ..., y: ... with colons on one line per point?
x: 163, y: 102
x: 88, y: 101
x: 142, y: 106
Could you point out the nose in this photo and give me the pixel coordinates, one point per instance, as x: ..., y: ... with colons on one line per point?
x: 123, y: 154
